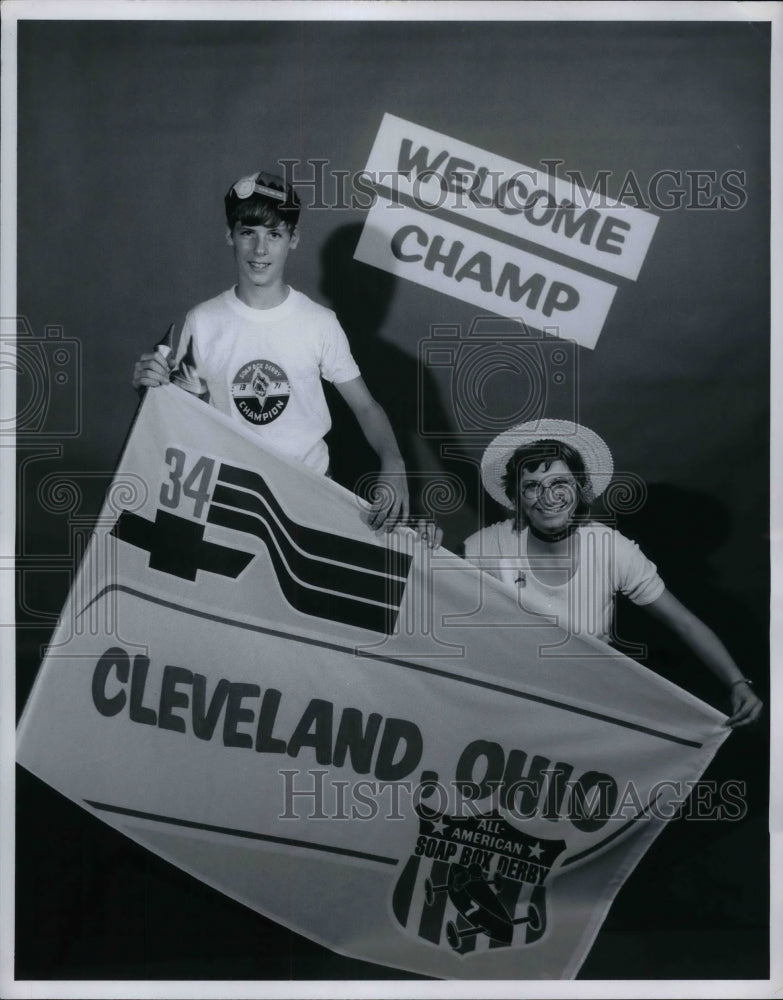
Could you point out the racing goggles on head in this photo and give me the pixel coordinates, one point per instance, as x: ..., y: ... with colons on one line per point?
x: 248, y: 185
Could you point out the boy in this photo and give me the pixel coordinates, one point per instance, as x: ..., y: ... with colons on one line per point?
x: 258, y: 351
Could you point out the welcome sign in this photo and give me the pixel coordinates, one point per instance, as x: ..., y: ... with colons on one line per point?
x: 351, y: 734
x: 496, y: 233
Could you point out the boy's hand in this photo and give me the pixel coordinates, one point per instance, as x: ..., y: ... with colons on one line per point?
x: 151, y: 370
x: 391, y: 498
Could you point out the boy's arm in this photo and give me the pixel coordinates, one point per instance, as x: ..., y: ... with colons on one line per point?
x: 392, y: 504
x: 746, y: 706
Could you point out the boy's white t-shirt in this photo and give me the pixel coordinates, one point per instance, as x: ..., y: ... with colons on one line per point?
x: 263, y: 368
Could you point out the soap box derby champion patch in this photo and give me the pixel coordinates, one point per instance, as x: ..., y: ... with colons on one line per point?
x: 260, y: 390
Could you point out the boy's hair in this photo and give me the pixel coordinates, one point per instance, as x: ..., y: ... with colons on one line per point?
x: 262, y: 199
x: 529, y: 458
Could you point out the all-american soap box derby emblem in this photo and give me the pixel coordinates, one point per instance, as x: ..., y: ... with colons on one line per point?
x: 260, y: 390
x: 476, y: 877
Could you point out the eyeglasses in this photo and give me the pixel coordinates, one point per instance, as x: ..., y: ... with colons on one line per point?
x: 532, y: 490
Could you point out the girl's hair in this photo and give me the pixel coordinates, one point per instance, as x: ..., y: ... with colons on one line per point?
x: 529, y: 457
x: 264, y: 210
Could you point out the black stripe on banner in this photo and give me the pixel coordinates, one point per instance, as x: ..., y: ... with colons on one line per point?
x: 246, y: 834
x: 362, y: 555
x: 246, y: 512
x: 403, y: 890
x: 431, y: 922
x: 302, y: 596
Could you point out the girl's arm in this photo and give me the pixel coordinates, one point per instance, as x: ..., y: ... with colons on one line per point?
x: 745, y: 705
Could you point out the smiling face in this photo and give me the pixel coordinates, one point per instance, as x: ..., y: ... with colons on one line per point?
x: 548, y: 496
x: 260, y: 254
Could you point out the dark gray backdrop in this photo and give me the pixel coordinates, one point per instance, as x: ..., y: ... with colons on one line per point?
x: 129, y: 134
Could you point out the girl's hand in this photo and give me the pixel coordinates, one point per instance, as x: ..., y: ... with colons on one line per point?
x: 746, y: 706
x: 429, y: 532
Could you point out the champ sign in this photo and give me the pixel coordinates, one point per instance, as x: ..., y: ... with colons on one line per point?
x: 498, y: 234
x: 348, y: 733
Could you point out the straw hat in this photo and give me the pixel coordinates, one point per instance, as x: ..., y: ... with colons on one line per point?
x: 593, y: 450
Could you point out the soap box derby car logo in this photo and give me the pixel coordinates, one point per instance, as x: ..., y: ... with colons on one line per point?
x: 477, y: 877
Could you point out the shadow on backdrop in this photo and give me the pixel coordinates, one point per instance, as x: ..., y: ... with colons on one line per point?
x: 361, y: 296
x: 706, y: 874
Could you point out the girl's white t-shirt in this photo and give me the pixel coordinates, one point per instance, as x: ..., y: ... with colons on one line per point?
x: 606, y: 563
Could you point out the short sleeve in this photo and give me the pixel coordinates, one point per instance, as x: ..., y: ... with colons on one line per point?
x: 471, y: 547
x: 185, y: 335
x: 188, y: 369
x: 635, y: 576
x: 337, y: 363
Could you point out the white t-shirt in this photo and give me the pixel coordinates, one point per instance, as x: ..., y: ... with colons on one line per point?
x: 263, y: 368
x: 607, y: 563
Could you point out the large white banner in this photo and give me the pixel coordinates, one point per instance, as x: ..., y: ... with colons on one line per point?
x: 366, y: 741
